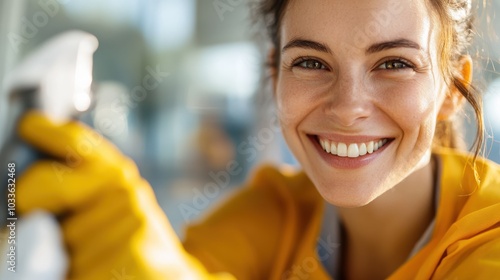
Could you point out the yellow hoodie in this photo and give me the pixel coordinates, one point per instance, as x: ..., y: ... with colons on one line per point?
x: 269, y: 229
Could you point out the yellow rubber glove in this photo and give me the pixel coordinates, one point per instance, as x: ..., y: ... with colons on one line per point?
x: 113, y: 227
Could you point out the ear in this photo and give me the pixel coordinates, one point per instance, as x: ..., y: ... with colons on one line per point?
x: 454, y: 100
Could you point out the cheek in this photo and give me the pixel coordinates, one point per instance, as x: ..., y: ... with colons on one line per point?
x: 295, y: 99
x: 289, y: 103
x: 412, y: 106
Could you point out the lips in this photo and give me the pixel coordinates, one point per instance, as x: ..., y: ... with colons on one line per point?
x: 351, y: 150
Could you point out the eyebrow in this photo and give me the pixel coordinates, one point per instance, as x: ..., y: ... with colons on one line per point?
x: 377, y: 47
x: 399, y: 43
x: 306, y: 44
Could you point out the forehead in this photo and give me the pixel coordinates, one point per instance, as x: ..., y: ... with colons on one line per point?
x: 357, y: 23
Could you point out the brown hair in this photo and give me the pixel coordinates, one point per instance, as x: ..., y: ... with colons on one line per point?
x: 457, y: 33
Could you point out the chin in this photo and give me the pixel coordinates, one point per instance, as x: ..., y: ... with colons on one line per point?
x: 350, y: 197
x: 353, y: 202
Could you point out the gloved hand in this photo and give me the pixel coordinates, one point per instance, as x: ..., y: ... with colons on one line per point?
x: 113, y: 227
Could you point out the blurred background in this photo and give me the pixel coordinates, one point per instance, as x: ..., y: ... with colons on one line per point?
x: 206, y: 118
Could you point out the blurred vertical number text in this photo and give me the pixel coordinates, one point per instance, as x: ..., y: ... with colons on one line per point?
x: 11, y: 216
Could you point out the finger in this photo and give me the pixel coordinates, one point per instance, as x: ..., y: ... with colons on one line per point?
x: 99, y: 215
x: 105, y: 244
x: 106, y: 227
x: 71, y: 141
x: 55, y: 187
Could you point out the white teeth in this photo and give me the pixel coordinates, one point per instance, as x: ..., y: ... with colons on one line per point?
x: 369, y: 147
x: 333, y: 149
x: 327, y: 147
x: 353, y: 150
x: 342, y: 150
x: 362, y: 149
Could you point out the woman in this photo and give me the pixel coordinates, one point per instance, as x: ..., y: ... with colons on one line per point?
x: 366, y: 92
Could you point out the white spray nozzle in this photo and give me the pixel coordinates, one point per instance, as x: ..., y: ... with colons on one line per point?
x: 61, y: 71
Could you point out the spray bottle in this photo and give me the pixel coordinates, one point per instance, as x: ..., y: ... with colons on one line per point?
x: 55, y: 79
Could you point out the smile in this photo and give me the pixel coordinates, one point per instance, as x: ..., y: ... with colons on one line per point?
x: 351, y: 150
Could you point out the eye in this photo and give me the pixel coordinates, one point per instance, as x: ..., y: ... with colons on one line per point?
x: 310, y: 64
x: 396, y: 64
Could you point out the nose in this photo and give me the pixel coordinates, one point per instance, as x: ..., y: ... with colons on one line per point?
x: 349, y: 101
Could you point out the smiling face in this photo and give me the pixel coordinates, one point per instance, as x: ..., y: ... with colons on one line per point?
x: 358, y: 91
